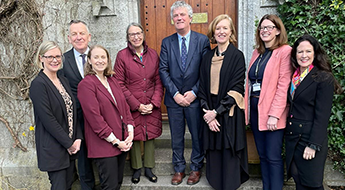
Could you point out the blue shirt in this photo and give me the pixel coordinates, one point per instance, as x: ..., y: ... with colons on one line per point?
x: 180, y: 41
x: 180, y: 46
x: 79, y: 61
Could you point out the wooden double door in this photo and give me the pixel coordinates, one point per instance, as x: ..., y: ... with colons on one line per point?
x: 156, y: 20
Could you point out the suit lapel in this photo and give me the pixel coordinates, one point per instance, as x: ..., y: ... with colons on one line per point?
x: 306, y: 82
x: 192, y: 44
x: 71, y: 60
x: 102, y: 89
x: 176, y: 50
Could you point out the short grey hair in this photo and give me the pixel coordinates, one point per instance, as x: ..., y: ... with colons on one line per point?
x: 179, y: 4
x: 77, y: 22
x: 137, y: 25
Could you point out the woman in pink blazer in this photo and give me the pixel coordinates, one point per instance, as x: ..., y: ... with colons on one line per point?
x: 267, y: 83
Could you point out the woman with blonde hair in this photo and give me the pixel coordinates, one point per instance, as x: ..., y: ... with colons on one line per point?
x: 57, y: 134
x: 221, y: 92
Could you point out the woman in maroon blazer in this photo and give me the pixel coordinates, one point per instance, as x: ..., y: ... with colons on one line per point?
x: 136, y: 69
x: 108, y: 122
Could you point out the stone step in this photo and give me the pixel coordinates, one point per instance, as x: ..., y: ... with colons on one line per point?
x: 163, y: 158
x: 164, y: 141
x: 164, y: 182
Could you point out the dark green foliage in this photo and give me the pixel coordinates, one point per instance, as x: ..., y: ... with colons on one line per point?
x: 325, y: 20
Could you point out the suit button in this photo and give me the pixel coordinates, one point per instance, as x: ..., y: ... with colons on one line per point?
x: 121, y: 117
x: 144, y: 91
x: 290, y: 133
x: 290, y: 123
x: 144, y: 78
x: 143, y: 66
x: 300, y: 125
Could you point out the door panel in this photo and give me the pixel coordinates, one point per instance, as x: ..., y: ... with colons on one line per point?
x: 156, y: 20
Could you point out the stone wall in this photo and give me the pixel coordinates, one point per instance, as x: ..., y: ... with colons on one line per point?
x: 250, y: 12
x: 107, y: 21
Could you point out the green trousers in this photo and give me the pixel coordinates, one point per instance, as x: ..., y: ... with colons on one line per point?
x: 149, y: 154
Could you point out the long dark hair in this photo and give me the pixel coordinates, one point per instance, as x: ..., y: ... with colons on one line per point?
x: 321, y: 60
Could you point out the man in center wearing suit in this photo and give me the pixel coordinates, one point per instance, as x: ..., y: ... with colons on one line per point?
x: 73, y: 70
x: 180, y: 58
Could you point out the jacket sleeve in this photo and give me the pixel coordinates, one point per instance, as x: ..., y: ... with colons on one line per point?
x: 205, y: 48
x: 322, y: 111
x: 120, y: 75
x: 164, y: 70
x: 203, y: 82
x: 87, y: 95
x: 43, y: 109
x: 285, y: 72
x: 157, y: 96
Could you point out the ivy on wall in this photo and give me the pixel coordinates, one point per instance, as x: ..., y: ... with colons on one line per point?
x: 21, y: 32
x: 325, y: 20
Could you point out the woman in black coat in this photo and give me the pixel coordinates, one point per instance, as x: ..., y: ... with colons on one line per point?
x: 310, y: 97
x: 221, y: 92
x: 57, y: 135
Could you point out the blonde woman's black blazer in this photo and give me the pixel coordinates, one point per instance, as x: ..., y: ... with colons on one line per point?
x: 51, y: 131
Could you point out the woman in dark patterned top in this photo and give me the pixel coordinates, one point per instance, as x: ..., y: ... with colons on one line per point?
x: 57, y: 135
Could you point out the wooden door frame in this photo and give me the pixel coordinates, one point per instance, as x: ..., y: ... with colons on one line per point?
x: 144, y: 15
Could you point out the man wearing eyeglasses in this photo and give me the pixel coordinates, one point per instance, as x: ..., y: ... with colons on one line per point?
x: 73, y: 70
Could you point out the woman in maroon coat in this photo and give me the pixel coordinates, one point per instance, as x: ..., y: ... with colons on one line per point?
x: 108, y: 122
x: 136, y: 69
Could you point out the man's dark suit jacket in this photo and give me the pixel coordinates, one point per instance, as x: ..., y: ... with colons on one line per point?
x: 71, y: 72
x: 51, y: 132
x: 172, y: 75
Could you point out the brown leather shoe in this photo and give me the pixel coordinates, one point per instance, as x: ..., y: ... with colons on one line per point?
x: 194, y: 177
x: 177, y: 178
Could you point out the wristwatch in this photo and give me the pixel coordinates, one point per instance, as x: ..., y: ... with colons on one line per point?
x: 116, y: 144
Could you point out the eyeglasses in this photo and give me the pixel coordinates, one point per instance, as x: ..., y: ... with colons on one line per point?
x: 269, y: 28
x: 51, y: 58
x: 138, y: 34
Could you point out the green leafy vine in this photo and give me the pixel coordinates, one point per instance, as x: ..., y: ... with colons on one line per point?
x: 325, y: 20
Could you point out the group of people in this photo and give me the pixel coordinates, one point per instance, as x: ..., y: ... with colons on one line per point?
x: 88, y: 110
x: 289, y: 92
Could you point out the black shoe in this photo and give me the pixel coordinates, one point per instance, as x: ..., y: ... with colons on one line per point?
x: 136, y: 176
x: 150, y: 176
